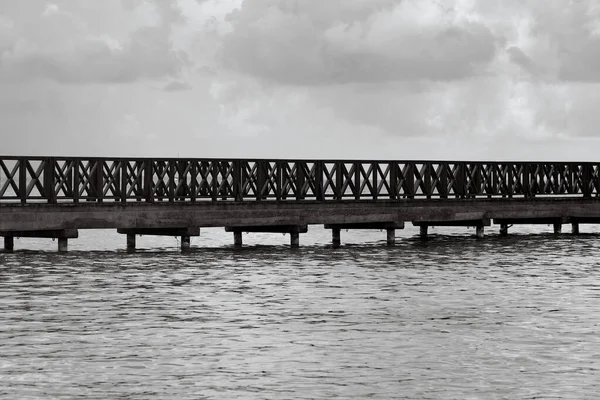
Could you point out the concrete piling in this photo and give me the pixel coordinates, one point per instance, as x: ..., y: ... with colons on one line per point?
x: 557, y: 228
x: 575, y: 228
x: 237, y: 238
x: 185, y: 243
x: 336, y: 237
x: 480, y: 232
x: 423, y: 232
x: 294, y: 239
x: 391, y: 237
x: 503, y: 229
x: 9, y: 243
x: 63, y: 245
x: 131, y: 241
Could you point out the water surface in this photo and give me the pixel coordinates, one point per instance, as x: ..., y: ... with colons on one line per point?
x: 453, y: 317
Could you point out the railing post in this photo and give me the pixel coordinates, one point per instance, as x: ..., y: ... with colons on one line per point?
x: 494, y: 178
x: 99, y: 180
x: 394, y: 180
x: 510, y: 184
x: 124, y: 180
x: 593, y: 179
x: 148, y: 180
x: 319, y: 181
x: 237, y: 181
x: 300, y: 180
x: 339, y: 180
x: 49, y: 180
x: 23, y: 179
x: 375, y: 168
x: 461, y: 179
x: 409, y: 180
x: 171, y: 174
x: 427, y: 172
x: 477, y: 189
x: 193, y: 181
x: 278, y: 180
x: 214, y: 179
x: 526, y: 184
x: 357, y: 180
x: 443, y: 188
x: 586, y: 179
x: 260, y: 180
x: 76, y: 180
x: 572, y: 178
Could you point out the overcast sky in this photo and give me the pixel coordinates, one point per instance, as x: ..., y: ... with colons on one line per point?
x: 443, y: 79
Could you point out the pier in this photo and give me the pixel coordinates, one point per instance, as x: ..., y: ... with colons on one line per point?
x: 55, y: 197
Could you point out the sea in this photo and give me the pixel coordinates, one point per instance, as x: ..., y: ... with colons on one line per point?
x: 451, y: 317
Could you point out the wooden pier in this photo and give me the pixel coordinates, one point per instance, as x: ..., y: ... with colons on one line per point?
x: 54, y: 197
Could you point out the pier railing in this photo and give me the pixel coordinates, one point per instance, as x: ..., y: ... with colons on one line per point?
x: 73, y: 180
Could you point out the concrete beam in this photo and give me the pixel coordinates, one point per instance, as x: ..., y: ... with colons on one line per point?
x: 368, y: 225
x: 532, y: 221
x: 189, y: 231
x: 184, y: 233
x: 584, y: 220
x: 269, y: 229
x: 293, y: 230
x: 389, y: 226
x: 49, y: 234
x: 472, y: 222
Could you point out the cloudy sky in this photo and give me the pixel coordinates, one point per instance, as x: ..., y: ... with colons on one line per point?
x: 443, y: 79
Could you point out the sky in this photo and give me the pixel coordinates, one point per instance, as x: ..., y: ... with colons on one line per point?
x: 366, y: 79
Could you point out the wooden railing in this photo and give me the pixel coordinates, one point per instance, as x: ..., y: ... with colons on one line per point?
x: 73, y: 180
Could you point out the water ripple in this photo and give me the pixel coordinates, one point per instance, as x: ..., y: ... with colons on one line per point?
x: 512, y: 317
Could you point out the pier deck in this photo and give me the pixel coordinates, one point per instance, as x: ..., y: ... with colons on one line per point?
x: 55, y: 197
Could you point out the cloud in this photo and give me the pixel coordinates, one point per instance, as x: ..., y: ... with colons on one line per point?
x: 308, y: 43
x: 176, y: 86
x: 300, y: 78
x: 64, y: 48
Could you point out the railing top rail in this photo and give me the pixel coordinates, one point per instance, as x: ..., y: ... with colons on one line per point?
x: 294, y: 160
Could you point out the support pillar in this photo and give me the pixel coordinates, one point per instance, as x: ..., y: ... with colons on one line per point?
x: 391, y: 237
x: 9, y: 243
x: 503, y: 229
x: 336, y: 237
x: 480, y: 232
x: 557, y: 228
x: 63, y: 245
x: 185, y: 243
x: 575, y: 228
x: 131, y: 241
x: 295, y: 239
x: 423, y: 231
x: 237, y: 238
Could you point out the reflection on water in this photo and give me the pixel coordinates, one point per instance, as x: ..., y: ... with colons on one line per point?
x: 453, y: 317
